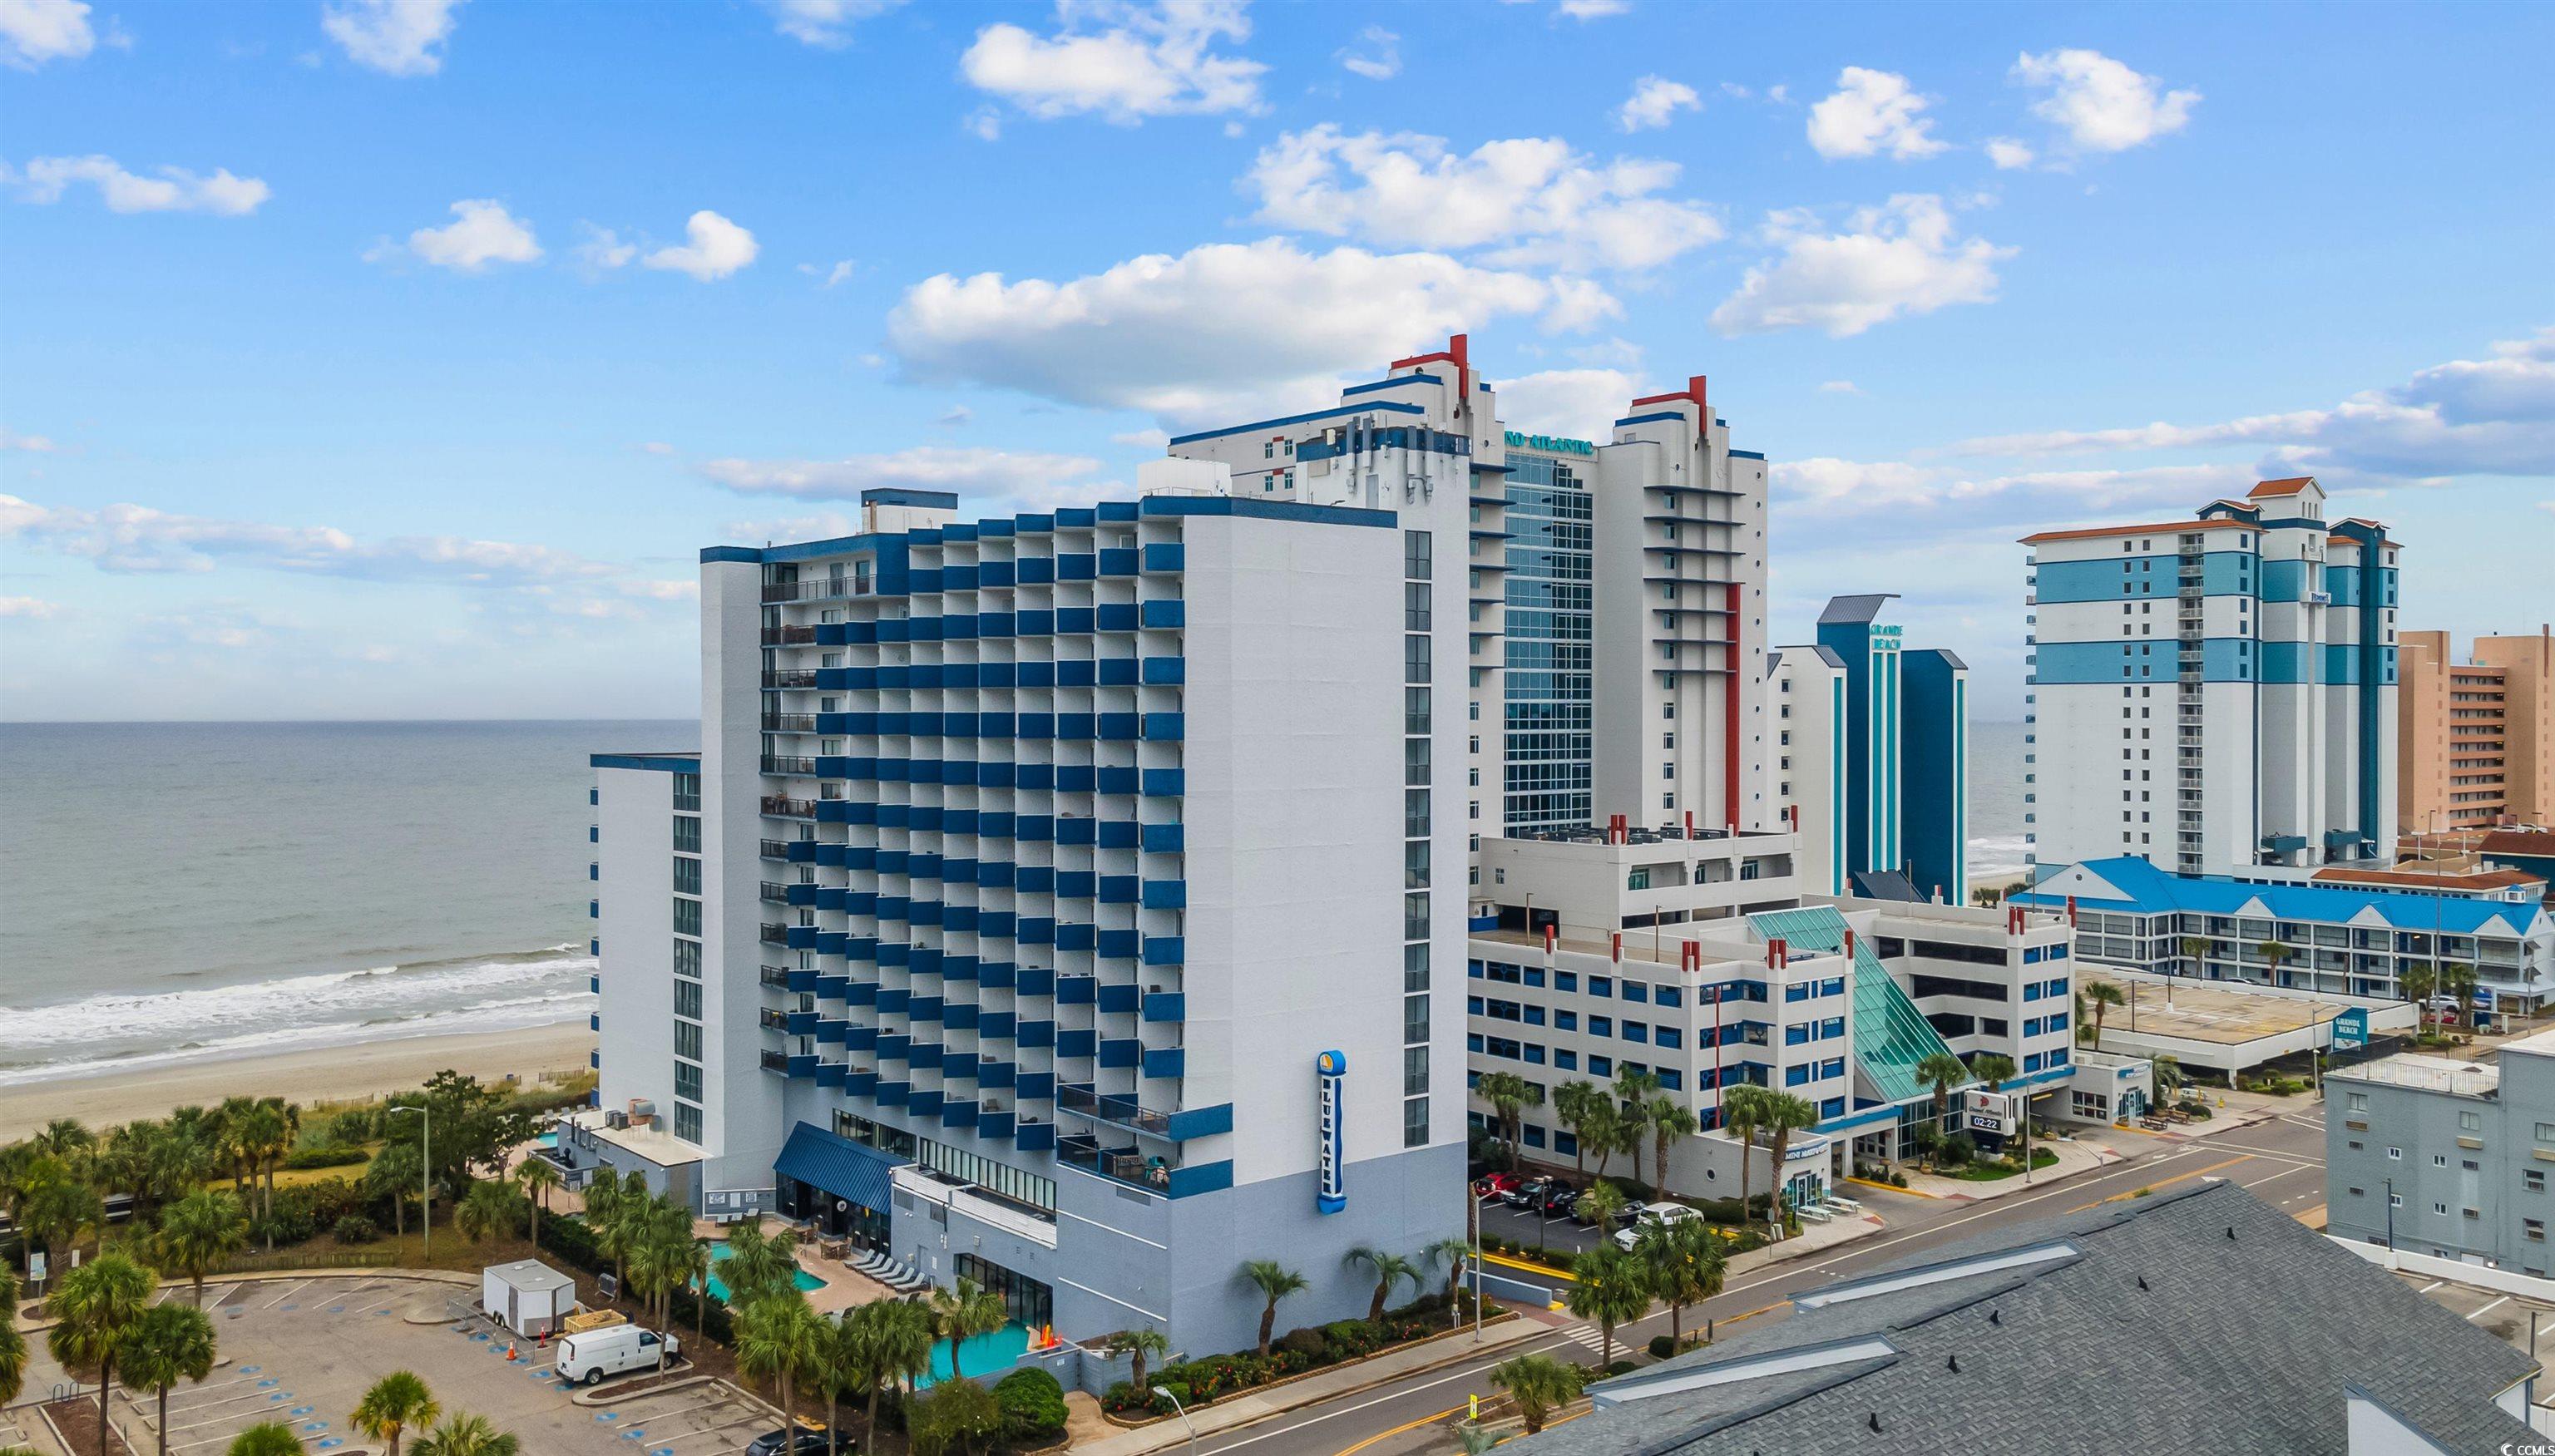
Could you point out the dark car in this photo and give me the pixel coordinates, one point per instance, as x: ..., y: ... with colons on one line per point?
x: 1530, y: 1193
x: 811, y: 1441
x: 1561, y: 1201
x: 1630, y: 1213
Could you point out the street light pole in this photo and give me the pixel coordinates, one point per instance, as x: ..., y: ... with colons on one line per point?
x: 2390, y: 1219
x: 425, y: 1170
x: 1165, y: 1393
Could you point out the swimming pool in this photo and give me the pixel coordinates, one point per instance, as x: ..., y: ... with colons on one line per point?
x: 985, y: 1358
x: 548, y: 1139
x: 720, y: 1252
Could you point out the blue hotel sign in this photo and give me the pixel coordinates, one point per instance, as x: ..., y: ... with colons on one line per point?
x: 2351, y: 1029
x: 1550, y: 444
x: 1330, y: 1188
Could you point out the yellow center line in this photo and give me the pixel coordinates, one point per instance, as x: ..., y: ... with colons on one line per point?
x: 2164, y: 1182
x: 1399, y: 1430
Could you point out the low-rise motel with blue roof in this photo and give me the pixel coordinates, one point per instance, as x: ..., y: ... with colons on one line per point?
x: 2339, y: 939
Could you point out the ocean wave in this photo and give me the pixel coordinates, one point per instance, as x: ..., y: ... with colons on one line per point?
x: 290, y: 1003
x: 1997, y: 854
x: 518, y: 1013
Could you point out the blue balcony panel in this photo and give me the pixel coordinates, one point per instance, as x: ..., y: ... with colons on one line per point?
x: 1165, y: 1061
x: 1117, y: 997
x: 1120, y: 1052
x: 1036, y: 1087
x: 994, y: 1124
x: 1034, y: 1136
x: 1166, y: 1005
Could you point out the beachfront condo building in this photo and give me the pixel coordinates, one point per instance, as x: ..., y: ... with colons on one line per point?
x: 1871, y: 758
x: 2213, y: 693
x: 2476, y: 745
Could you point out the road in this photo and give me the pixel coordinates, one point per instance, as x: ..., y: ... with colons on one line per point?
x: 2280, y: 1160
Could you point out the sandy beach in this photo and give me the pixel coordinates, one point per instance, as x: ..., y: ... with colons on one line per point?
x: 330, y: 1073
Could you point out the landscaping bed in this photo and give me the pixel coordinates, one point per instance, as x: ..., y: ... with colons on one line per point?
x: 1297, y: 1354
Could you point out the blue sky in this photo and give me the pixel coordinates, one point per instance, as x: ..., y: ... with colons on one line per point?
x: 365, y: 358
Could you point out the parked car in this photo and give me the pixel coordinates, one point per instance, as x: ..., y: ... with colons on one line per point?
x: 1632, y: 1209
x: 811, y: 1441
x: 1560, y: 1200
x: 587, y: 1356
x: 1655, y: 1215
x: 1494, y: 1183
x: 1529, y: 1194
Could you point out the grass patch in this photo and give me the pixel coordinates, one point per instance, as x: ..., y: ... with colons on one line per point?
x: 1989, y: 1172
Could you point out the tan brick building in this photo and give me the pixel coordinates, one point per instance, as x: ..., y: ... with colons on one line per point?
x: 2475, y: 744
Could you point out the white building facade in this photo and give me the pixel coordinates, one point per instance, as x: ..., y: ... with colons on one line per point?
x: 2213, y: 693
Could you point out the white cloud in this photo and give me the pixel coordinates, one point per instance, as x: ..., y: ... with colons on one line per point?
x: 395, y: 36
x: 836, y: 274
x: 1584, y: 10
x: 827, y: 23
x: 658, y: 447
x: 1533, y: 197
x: 1218, y: 330
x: 39, y: 445
x: 660, y: 591
x: 817, y: 526
x: 2010, y: 155
x: 1898, y: 259
x: 2494, y: 416
x: 484, y: 233
x: 1582, y: 404
x: 1825, y: 485
x: 1120, y: 60
x: 172, y: 190
x: 33, y: 31
x: 718, y: 248
x: 2101, y: 104
x: 603, y: 250
x: 968, y: 470
x: 126, y: 537
x: 1872, y: 111
x: 1144, y: 439
x: 1655, y: 102
x: 1838, y: 387
x: 958, y: 418
x: 985, y: 124
x: 1377, y: 55
x: 30, y: 608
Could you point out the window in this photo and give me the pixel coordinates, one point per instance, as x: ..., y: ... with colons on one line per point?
x: 687, y: 875
x: 688, y: 833
x: 2396, y: 1154
x: 688, y: 1040
x: 687, y: 1080
x: 687, y: 958
x: 688, y: 916
x: 2470, y: 1122
x: 687, y: 999
x: 2533, y: 1229
x: 2533, y: 1179
x: 1414, y: 1018
x: 1414, y: 1123
x: 687, y: 791
x: 687, y: 1121
x: 2355, y: 1101
x: 1601, y: 1026
x: 1416, y: 555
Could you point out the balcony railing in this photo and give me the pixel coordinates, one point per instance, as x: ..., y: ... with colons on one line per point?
x: 789, y: 635
x: 782, y: 806
x: 790, y: 722
x: 773, y: 1019
x: 776, y: 1061
x: 790, y: 677
x: 776, y: 977
x: 776, y: 849
x: 776, y: 936
x: 824, y: 589
x: 774, y: 763
x: 1124, y: 1165
x: 775, y: 893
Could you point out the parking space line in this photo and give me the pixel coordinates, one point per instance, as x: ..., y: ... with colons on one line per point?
x: 372, y: 1304
x: 2490, y: 1308
x: 289, y: 1292
x: 2433, y: 1285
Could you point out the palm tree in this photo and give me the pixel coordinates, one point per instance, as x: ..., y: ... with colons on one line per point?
x: 61, y: 1209
x: 1600, y: 1130
x: 1685, y: 1263
x: 776, y: 1338
x: 395, y: 1402
x: 1993, y: 1068
x: 93, y: 1308
x: 2101, y: 995
x: 1784, y: 1115
x: 1275, y: 1282
x: 465, y: 1434
x: 1600, y: 1204
x: 1945, y: 1071
x: 13, y: 1343
x: 695, y: 1262
x: 538, y: 1175
x: 839, y: 1370
x: 1669, y: 1120
x: 1454, y: 1251
x: 618, y: 1229
x: 1740, y: 1108
x: 2195, y: 949
x: 1571, y: 1103
x: 2169, y: 1077
x: 167, y: 1343
x: 66, y: 1139
x: 1389, y: 1269
x: 1142, y: 1342
x: 2274, y: 953
x: 1633, y: 1097
x: 666, y: 1257
x: 487, y: 1211
x: 1508, y: 1093
x: 759, y: 1262
x: 1540, y: 1384
x: 200, y: 1233
x: 1609, y: 1288
x: 266, y: 1439
x: 965, y: 1312
x: 2420, y: 984
x: 396, y: 1174
x: 890, y: 1341
x: 2458, y: 983
x: 265, y: 1134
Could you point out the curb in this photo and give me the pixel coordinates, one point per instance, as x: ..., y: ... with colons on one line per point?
x: 1894, y: 1189
x: 1506, y: 1262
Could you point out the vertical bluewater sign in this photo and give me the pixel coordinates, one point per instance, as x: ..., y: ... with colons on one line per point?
x: 1330, y: 1191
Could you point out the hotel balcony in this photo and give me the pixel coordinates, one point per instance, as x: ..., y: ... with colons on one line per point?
x: 1083, y: 1099
x: 1151, y: 1173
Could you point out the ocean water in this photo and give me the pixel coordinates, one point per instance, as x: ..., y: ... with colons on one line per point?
x: 187, y: 892
x: 182, y: 892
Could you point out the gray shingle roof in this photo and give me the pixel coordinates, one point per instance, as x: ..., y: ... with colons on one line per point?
x: 2248, y: 1333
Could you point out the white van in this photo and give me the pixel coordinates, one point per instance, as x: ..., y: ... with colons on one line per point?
x: 589, y: 1355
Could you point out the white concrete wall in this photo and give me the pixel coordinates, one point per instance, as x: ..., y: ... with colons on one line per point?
x: 744, y: 1101
x: 634, y: 813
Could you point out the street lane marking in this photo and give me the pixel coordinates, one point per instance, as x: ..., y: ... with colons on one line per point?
x: 2159, y: 1184
x: 1399, y: 1430
x: 287, y: 1294
x: 2433, y: 1285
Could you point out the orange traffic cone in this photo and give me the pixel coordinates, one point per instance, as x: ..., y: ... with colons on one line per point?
x: 510, y: 1352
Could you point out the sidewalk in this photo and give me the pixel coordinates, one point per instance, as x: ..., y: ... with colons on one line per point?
x: 2083, y: 1154
x: 1313, y: 1390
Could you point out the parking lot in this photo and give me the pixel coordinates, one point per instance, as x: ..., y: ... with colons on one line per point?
x: 2508, y: 1316
x: 1523, y: 1227
x: 304, y: 1350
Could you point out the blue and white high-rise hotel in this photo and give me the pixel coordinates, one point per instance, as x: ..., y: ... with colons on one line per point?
x: 1074, y: 901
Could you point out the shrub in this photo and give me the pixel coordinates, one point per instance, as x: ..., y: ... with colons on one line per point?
x: 1958, y: 1149
x: 1307, y: 1343
x: 1897, y: 1180
x: 1123, y: 1398
x: 1033, y: 1406
x: 1661, y: 1347
x: 1350, y: 1338
x: 354, y: 1228
x: 326, y: 1158
x: 1620, y: 1366
x: 347, y: 1129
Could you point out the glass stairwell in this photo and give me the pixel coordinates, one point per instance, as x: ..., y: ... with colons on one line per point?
x: 1891, y: 1035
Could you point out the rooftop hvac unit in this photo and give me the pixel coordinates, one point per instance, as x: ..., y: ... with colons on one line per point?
x: 642, y: 1107
x: 616, y: 1118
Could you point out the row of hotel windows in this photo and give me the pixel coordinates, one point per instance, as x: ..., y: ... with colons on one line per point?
x: 1641, y: 1032
x: 688, y: 962
x: 1671, y: 1079
x: 1641, y: 993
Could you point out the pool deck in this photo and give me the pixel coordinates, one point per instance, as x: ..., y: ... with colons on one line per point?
x: 842, y: 1287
